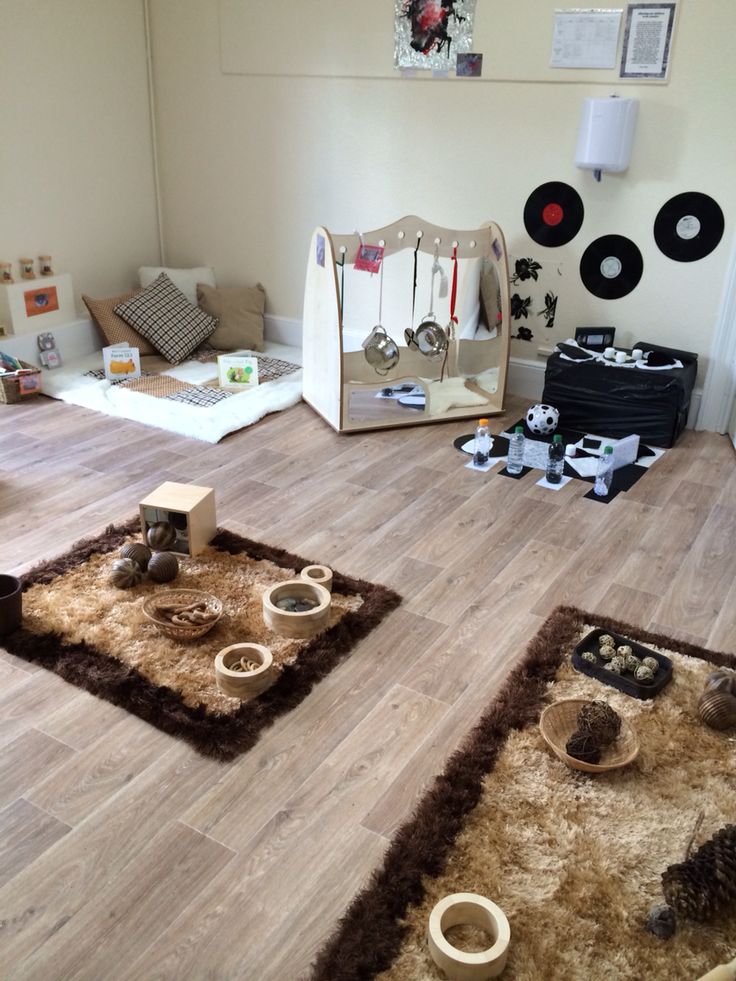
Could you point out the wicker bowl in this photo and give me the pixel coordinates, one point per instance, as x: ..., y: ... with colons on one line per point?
x: 558, y: 722
x: 185, y: 597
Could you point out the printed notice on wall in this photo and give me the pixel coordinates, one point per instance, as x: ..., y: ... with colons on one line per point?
x: 585, y: 38
x: 647, y: 40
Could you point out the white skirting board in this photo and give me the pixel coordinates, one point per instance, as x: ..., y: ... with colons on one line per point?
x: 525, y: 377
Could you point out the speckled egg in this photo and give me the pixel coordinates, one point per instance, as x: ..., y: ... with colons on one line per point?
x: 644, y: 675
x: 607, y: 652
x: 589, y: 656
x: 616, y: 665
x: 624, y: 651
x: 652, y: 663
x: 606, y: 640
x: 631, y: 662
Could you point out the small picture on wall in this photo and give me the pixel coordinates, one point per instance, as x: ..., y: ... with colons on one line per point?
x: 469, y: 65
x: 41, y: 301
x: 369, y: 258
x: 430, y: 34
x: 320, y: 250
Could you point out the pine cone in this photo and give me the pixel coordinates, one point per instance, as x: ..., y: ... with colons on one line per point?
x: 698, y: 888
x: 600, y: 722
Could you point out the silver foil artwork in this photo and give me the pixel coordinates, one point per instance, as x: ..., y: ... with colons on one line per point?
x: 430, y: 34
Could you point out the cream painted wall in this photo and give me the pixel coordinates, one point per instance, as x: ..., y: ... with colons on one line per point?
x: 75, y: 142
x: 249, y: 165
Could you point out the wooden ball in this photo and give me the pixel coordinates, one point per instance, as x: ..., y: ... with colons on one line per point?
x: 138, y: 552
x: 161, y: 536
x: 722, y: 680
x: 163, y: 567
x: 125, y: 573
x: 717, y: 709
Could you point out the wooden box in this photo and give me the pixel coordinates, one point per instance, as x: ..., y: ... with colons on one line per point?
x: 37, y: 304
x: 190, y: 509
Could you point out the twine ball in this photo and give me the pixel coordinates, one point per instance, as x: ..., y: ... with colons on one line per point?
x: 607, y: 652
x: 161, y: 536
x: 163, y: 567
x: 644, y: 674
x: 138, y: 552
x: 125, y: 573
x: 583, y: 747
x: 599, y: 721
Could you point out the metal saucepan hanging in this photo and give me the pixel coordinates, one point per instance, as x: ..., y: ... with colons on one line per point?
x: 381, y: 351
x: 430, y: 338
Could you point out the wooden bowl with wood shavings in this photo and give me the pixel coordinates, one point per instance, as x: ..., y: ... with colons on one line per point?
x: 183, y: 614
x: 244, y: 670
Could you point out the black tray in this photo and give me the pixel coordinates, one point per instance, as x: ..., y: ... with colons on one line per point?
x: 624, y: 682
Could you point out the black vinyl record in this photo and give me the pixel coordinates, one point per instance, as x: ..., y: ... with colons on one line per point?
x: 611, y: 267
x: 689, y: 226
x: 553, y: 213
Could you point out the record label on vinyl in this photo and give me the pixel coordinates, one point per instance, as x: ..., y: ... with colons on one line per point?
x: 689, y: 226
x: 611, y: 267
x: 553, y: 214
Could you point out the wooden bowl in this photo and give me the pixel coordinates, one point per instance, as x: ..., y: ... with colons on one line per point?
x: 302, y: 625
x: 318, y: 573
x: 183, y: 597
x: 560, y: 719
x: 244, y: 684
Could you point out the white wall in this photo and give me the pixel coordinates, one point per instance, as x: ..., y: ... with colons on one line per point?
x: 251, y: 164
x: 76, y: 172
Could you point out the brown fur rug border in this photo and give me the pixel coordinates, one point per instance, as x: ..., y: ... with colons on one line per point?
x: 222, y: 737
x: 369, y: 935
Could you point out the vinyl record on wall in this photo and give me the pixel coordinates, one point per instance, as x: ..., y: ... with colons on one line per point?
x: 689, y: 226
x: 611, y: 267
x: 553, y: 213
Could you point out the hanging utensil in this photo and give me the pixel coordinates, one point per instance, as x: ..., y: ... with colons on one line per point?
x: 430, y: 338
x: 381, y: 351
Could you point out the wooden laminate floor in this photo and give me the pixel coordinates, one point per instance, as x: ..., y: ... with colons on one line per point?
x: 124, y: 855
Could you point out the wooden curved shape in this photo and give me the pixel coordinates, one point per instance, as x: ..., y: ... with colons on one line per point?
x: 473, y: 910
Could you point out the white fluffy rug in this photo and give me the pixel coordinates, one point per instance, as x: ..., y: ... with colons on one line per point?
x: 210, y: 423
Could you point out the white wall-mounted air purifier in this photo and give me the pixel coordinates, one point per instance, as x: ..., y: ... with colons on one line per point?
x: 606, y: 134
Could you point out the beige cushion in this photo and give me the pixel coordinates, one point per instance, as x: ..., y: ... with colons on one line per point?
x: 185, y: 279
x: 239, y: 310
x: 114, y: 329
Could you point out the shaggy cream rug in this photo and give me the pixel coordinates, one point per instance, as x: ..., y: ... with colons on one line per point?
x: 97, y: 636
x: 574, y: 860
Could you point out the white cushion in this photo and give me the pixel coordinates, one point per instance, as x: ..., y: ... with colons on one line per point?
x: 185, y: 279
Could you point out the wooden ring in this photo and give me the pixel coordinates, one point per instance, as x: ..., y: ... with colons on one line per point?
x: 472, y: 909
x: 321, y: 574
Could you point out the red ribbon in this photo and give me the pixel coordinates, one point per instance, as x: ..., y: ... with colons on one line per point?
x: 453, y: 294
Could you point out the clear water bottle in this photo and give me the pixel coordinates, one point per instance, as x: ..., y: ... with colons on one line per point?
x: 515, y: 462
x: 482, y: 443
x: 604, y: 474
x: 555, y: 460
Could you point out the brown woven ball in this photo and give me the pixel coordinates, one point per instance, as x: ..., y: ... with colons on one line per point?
x: 163, y: 567
x: 583, y: 747
x: 125, y: 573
x: 138, y: 552
x: 161, y: 536
x: 599, y: 721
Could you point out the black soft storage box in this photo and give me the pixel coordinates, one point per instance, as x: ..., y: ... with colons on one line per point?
x: 596, y: 398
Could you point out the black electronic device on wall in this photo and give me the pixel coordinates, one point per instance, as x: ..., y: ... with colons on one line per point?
x: 595, y: 338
